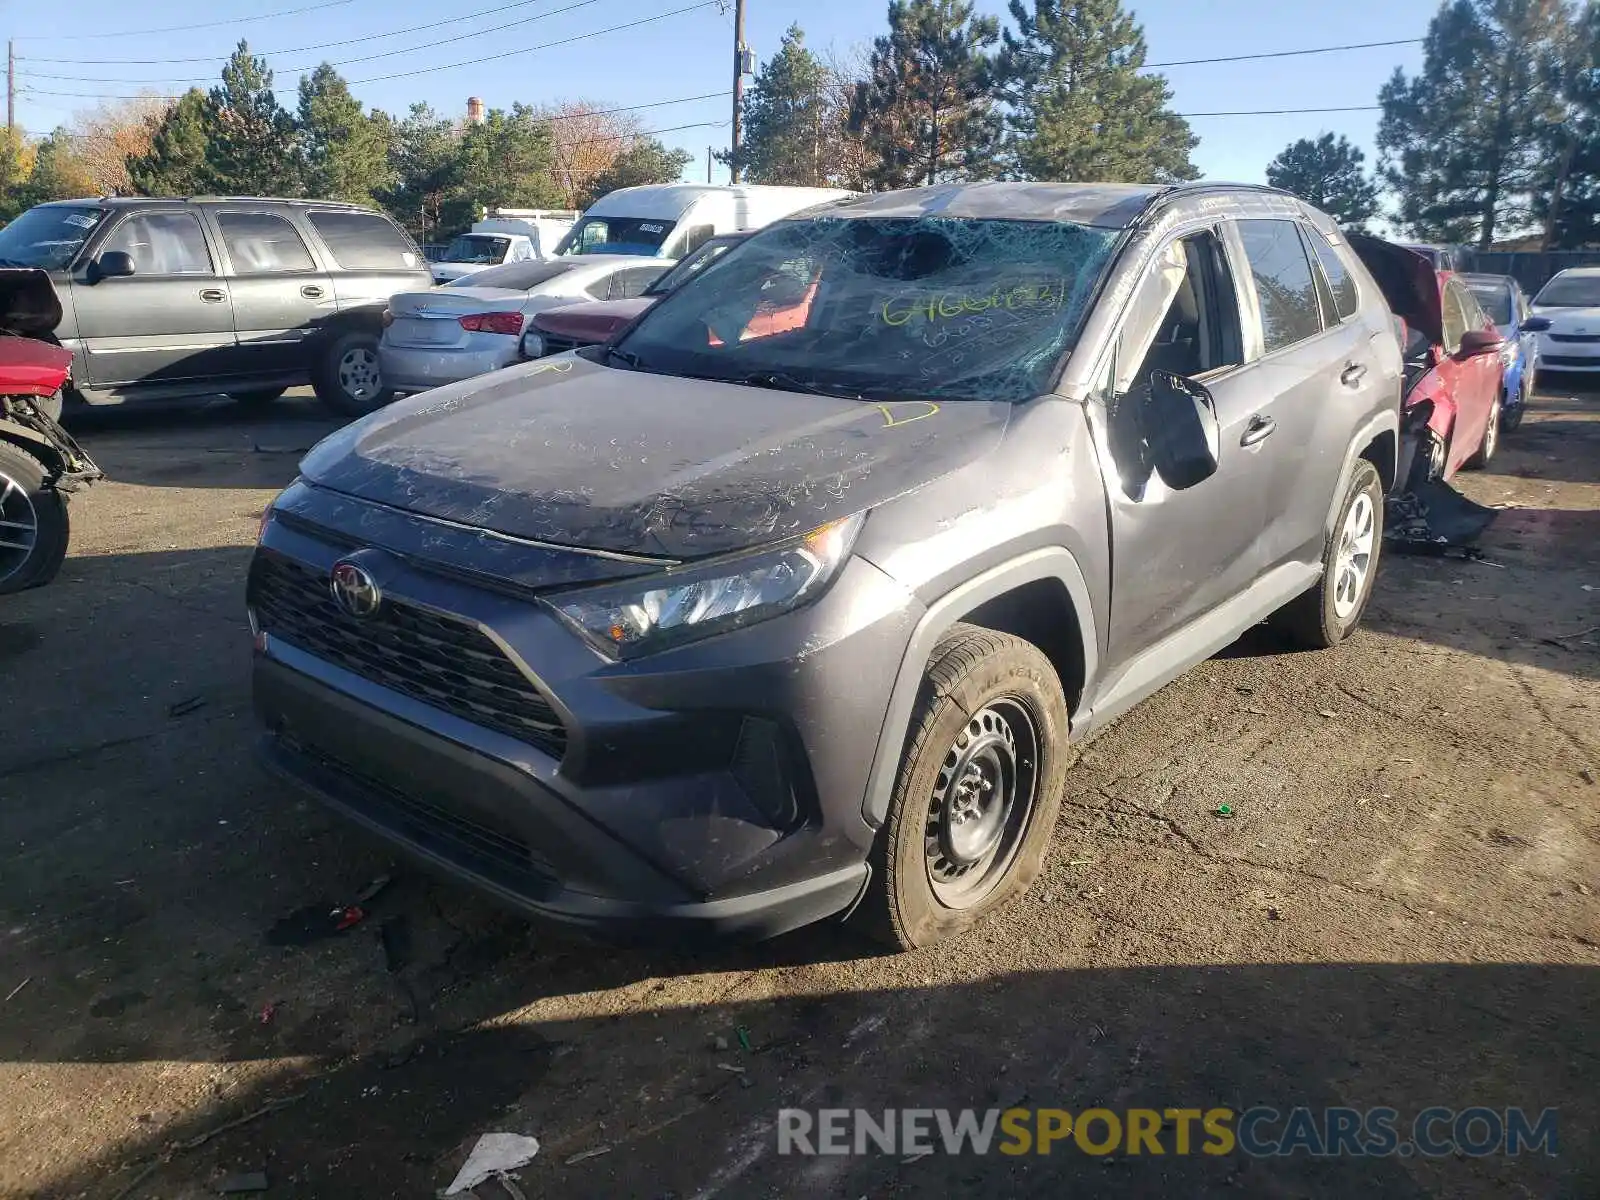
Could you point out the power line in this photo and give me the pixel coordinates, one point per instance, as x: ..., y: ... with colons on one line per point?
x: 54, y: 37
x: 1227, y: 58
x: 460, y: 37
x: 211, y: 58
x: 593, y: 141
x: 1283, y: 112
x: 471, y: 62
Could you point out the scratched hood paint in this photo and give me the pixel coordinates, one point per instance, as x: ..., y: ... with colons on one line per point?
x: 576, y: 454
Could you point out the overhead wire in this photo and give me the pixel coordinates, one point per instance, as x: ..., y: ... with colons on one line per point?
x: 76, y: 35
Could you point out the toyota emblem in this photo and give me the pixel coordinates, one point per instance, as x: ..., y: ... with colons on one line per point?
x: 354, y: 590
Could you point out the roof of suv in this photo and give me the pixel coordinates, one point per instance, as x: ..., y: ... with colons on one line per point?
x: 1104, y: 205
x: 125, y: 201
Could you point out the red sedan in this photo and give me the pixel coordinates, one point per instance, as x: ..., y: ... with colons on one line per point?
x: 1452, y: 354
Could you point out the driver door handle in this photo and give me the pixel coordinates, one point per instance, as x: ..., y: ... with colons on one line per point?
x: 1258, y: 430
x: 311, y: 292
x: 1352, y: 374
x: 213, y: 295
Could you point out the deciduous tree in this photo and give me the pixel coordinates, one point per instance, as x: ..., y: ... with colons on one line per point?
x: 646, y: 161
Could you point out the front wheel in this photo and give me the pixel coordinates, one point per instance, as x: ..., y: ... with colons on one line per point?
x: 1330, y: 612
x: 977, y: 793
x: 347, y: 378
x: 33, y: 523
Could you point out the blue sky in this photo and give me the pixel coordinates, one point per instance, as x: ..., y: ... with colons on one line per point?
x: 689, y: 54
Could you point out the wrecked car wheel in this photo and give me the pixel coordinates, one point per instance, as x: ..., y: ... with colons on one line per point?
x: 33, y: 523
x: 1491, y: 440
x: 1330, y: 612
x: 978, y: 790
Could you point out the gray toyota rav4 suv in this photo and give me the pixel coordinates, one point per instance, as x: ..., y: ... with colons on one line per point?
x: 172, y: 298
x: 795, y: 599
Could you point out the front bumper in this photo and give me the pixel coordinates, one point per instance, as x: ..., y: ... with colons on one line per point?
x: 714, y: 788
x: 416, y: 369
x: 1569, y: 352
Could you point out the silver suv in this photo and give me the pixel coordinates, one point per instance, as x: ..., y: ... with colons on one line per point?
x: 172, y: 298
x: 795, y: 598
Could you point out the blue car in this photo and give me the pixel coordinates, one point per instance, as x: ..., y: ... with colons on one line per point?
x: 1503, y: 300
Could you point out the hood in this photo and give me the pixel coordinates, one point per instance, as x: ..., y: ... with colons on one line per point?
x: 1408, y: 281
x: 1567, y: 320
x: 446, y: 271
x: 572, y: 453
x: 594, y: 321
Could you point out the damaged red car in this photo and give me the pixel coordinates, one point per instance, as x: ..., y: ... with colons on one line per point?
x: 1452, y: 358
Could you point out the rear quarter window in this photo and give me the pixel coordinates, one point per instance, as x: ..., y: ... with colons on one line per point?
x: 1345, y: 298
x: 362, y: 241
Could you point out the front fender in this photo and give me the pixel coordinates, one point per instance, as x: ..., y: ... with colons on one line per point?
x: 1048, y: 563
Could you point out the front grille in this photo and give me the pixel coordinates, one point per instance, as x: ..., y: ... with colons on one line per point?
x: 439, y: 660
x: 492, y: 852
x: 1570, y: 360
x: 1575, y: 337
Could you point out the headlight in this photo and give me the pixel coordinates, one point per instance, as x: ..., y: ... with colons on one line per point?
x: 642, y: 616
x: 532, y: 345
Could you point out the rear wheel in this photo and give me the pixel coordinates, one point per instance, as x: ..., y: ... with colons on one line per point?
x: 978, y: 790
x: 1491, y: 440
x: 347, y: 378
x: 33, y: 523
x: 1330, y: 612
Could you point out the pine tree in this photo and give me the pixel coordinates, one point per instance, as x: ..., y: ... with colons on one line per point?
x: 176, y: 164
x: 1459, y: 143
x: 788, y: 118
x: 646, y: 161
x: 1080, y: 107
x: 1329, y: 174
x: 926, y: 110
x: 344, y: 151
x: 1567, y: 205
x: 251, y: 142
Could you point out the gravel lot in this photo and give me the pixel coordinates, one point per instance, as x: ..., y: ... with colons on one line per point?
x: 1404, y: 911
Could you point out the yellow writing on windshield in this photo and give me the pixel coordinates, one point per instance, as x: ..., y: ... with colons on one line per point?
x: 946, y: 306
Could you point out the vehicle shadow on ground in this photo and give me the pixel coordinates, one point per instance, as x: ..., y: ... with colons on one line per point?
x: 215, y: 444
x: 646, y: 1103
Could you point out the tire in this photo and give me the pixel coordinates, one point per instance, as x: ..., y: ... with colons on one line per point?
x: 259, y: 398
x: 1327, y: 614
x: 347, y: 360
x: 34, y: 529
x: 1491, y: 439
x: 988, y: 700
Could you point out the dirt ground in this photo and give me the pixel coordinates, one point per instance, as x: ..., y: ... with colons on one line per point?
x: 1403, y: 911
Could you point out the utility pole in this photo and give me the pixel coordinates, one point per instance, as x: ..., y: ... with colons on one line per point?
x: 738, y: 85
x: 708, y: 164
x: 11, y: 89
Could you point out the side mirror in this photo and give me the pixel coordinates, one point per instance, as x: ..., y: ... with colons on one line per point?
x: 1534, y: 325
x: 113, y: 264
x: 1479, y: 341
x: 1181, y: 430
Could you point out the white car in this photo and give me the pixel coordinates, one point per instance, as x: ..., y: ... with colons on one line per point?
x: 475, y: 325
x: 1571, y: 303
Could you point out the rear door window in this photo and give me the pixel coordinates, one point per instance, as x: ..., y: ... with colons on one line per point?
x: 1285, y: 289
x: 1455, y: 316
x: 362, y: 241
x: 263, y: 244
x: 163, y: 243
x: 1341, y: 283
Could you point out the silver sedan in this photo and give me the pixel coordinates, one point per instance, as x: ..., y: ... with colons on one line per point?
x: 475, y: 325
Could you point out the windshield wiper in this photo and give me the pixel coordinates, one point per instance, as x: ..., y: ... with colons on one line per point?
x: 783, y: 382
x: 632, y: 360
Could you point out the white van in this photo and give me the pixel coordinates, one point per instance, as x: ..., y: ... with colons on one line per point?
x: 669, y: 220
x: 504, y: 235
